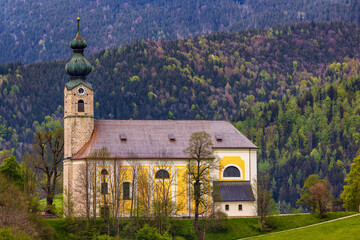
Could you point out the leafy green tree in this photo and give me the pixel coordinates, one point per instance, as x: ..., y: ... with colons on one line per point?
x: 11, y: 169
x: 351, y: 193
x: 305, y: 193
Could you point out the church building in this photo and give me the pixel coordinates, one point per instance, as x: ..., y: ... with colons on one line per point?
x: 123, y: 165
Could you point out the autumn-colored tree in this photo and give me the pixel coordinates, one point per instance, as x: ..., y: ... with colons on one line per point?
x: 305, y: 194
x: 320, y: 194
x: 316, y: 194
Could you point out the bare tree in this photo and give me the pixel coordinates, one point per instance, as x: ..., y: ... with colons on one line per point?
x: 263, y: 197
x: 200, y: 164
x: 117, y: 204
x: 97, y: 155
x: 134, y: 168
x: 144, y: 191
x: 47, y: 153
x: 83, y: 189
x: 164, y: 198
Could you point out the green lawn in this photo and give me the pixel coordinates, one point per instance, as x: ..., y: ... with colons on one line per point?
x: 348, y: 228
x: 58, y: 202
x: 247, y: 227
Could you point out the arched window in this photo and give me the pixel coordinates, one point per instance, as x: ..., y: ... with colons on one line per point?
x: 231, y: 171
x: 162, y: 174
x: 104, y: 183
x: 81, y: 106
x: 126, y: 191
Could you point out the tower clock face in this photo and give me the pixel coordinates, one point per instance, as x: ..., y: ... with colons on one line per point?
x: 80, y: 91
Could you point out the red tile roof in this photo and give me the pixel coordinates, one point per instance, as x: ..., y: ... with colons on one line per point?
x: 149, y: 139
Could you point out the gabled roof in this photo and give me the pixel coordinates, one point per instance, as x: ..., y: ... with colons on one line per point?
x: 232, y: 191
x: 149, y: 139
x: 74, y: 83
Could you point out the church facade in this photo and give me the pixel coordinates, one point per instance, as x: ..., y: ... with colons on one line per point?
x: 125, y: 165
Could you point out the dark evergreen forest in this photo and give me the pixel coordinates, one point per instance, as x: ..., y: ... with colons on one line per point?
x: 39, y: 30
x: 293, y: 90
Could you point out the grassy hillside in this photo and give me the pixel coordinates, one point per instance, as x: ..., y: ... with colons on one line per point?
x: 237, y: 227
x: 40, y: 30
x: 348, y: 228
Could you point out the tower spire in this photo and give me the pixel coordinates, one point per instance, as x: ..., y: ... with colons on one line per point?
x: 78, y: 67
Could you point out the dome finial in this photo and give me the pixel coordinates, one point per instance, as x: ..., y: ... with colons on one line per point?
x: 78, y: 67
x: 78, y: 20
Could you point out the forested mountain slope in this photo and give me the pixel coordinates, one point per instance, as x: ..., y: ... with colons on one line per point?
x: 40, y: 30
x: 294, y: 91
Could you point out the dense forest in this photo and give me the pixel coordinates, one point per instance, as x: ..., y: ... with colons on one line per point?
x: 39, y: 30
x: 293, y: 90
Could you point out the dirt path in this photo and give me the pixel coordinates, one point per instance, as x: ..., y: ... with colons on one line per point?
x: 262, y: 235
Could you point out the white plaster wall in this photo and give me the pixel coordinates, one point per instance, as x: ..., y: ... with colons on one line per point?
x: 248, y: 208
x: 247, y: 155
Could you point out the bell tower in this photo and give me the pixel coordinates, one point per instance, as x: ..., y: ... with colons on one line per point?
x: 78, y: 100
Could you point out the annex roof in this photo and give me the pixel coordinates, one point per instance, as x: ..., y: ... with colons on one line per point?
x: 154, y: 139
x: 232, y: 191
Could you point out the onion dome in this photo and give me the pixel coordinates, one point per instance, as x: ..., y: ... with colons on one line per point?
x: 78, y: 67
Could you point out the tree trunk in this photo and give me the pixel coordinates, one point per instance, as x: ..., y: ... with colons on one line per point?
x: 197, y: 203
x: 49, y: 196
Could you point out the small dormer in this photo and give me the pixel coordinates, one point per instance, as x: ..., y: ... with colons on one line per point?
x: 218, y: 137
x: 171, y: 137
x: 123, y: 137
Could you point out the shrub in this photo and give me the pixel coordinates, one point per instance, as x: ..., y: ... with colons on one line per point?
x: 271, y: 222
x: 103, y: 237
x: 179, y: 238
x: 183, y: 228
x: 151, y: 233
x: 131, y: 228
x: 13, y: 234
x: 44, y: 230
x: 218, y: 222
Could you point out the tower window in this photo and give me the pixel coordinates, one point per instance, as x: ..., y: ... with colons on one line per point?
x: 81, y: 106
x: 231, y: 172
x: 126, y: 190
x: 227, y: 207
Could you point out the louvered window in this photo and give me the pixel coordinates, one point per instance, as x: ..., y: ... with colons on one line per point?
x: 81, y: 106
x: 231, y: 172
